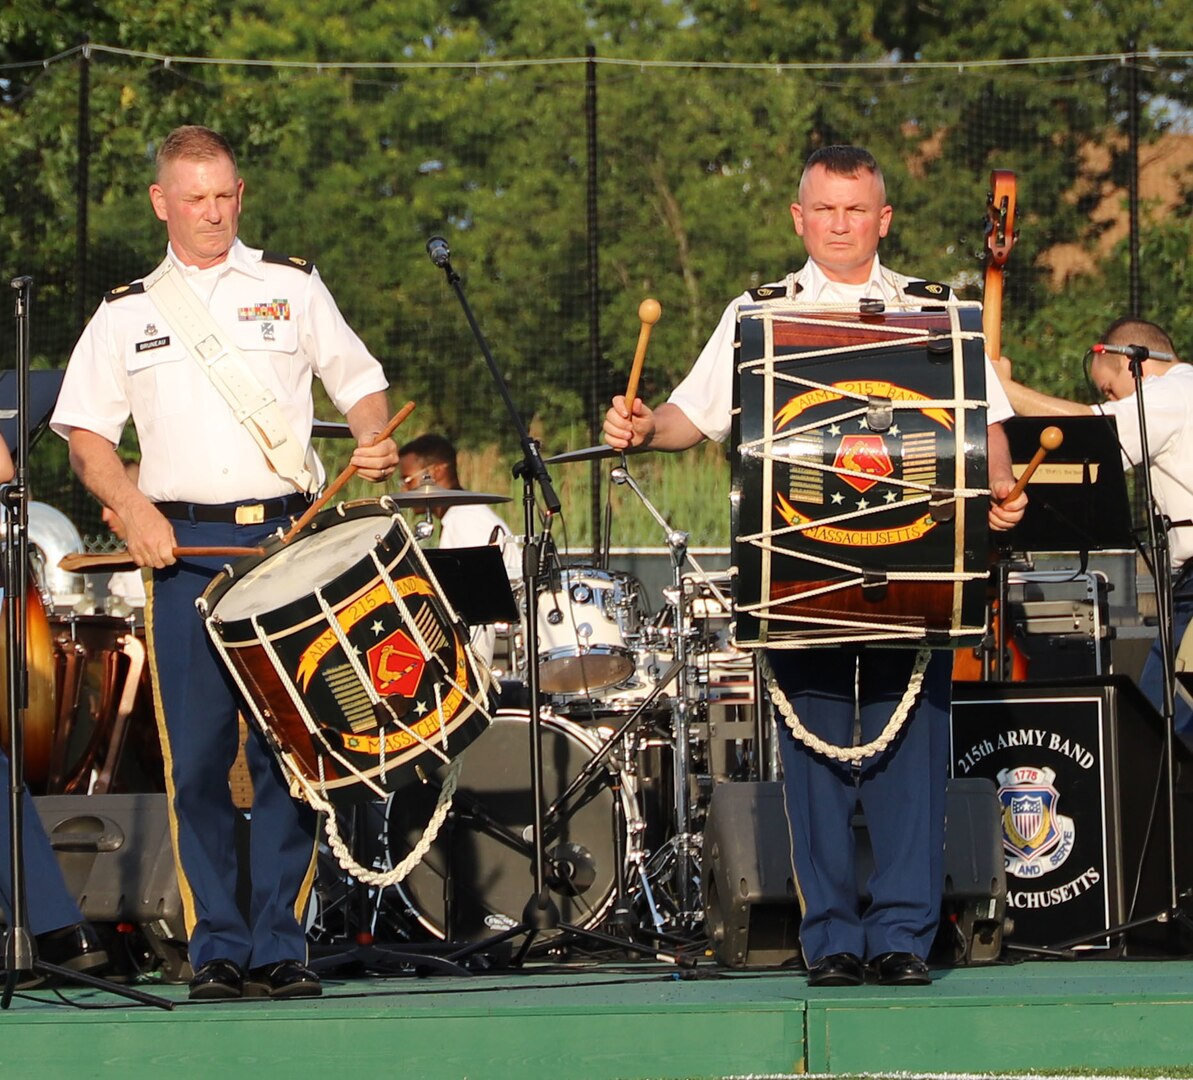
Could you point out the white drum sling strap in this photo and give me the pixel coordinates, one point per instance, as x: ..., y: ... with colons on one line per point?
x: 253, y: 405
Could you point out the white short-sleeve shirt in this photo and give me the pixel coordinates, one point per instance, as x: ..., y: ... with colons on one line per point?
x: 128, y: 362
x: 1168, y: 410
x: 705, y: 396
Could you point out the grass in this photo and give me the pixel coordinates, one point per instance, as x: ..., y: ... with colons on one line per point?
x: 690, y: 491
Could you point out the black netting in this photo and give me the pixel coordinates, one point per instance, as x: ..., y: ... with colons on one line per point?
x: 695, y: 169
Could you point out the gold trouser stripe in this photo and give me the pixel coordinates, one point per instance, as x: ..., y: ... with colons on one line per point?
x: 184, y: 886
x: 308, y: 882
x: 799, y: 893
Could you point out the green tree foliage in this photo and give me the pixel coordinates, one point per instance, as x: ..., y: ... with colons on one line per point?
x: 355, y: 164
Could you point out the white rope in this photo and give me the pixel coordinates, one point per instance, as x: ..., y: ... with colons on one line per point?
x: 397, y: 873
x: 849, y: 754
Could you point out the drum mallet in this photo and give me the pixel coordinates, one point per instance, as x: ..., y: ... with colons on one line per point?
x: 648, y: 312
x: 1050, y: 438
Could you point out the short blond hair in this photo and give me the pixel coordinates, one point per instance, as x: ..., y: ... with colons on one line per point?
x: 193, y: 142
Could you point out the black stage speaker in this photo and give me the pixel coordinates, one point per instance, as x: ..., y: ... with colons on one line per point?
x: 974, y: 908
x: 751, y: 909
x: 750, y: 905
x: 118, y: 862
x: 1081, y: 779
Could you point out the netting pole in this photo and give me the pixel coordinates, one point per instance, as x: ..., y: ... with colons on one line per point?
x: 82, y: 152
x: 1135, y: 286
x: 595, y: 387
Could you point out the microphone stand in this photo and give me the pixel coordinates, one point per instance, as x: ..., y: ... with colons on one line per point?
x: 1157, y: 539
x: 540, y: 912
x: 20, y: 948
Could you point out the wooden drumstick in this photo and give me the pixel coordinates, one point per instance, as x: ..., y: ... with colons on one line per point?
x: 348, y: 473
x: 1050, y: 438
x: 648, y: 312
x: 79, y: 562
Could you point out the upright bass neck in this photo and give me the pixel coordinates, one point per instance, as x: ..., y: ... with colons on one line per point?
x: 1001, y: 234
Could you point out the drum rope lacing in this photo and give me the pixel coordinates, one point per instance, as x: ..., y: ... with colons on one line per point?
x: 763, y: 448
x: 410, y: 625
x: 366, y: 682
x: 848, y: 754
x: 397, y: 874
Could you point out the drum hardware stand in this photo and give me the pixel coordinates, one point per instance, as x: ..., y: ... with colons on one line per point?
x: 622, y: 915
x: 685, y: 844
x: 1157, y: 539
x: 362, y: 951
x: 540, y: 912
x: 20, y: 949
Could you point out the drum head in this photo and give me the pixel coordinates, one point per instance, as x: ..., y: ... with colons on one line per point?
x: 486, y: 855
x: 308, y: 563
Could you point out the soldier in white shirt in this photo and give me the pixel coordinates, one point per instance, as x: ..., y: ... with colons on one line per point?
x: 841, y: 214
x: 1168, y: 409
x: 206, y: 481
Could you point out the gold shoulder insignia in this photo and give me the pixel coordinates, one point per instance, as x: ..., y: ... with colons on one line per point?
x: 305, y: 265
x: 934, y: 290
x: 124, y: 290
x: 768, y: 292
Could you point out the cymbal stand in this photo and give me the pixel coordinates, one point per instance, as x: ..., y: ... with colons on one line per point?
x: 685, y: 846
x: 20, y: 947
x: 621, y: 740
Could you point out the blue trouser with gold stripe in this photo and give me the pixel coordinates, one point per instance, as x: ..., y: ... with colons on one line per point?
x: 902, y: 793
x: 198, y: 705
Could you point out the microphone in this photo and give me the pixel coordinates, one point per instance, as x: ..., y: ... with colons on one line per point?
x: 1135, y: 352
x: 439, y: 251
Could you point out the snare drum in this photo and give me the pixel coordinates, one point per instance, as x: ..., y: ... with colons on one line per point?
x: 860, y: 484
x: 352, y: 661
x: 584, y: 628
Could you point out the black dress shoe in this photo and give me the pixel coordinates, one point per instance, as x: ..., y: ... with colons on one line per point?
x: 900, y: 969
x: 76, y: 948
x: 285, y: 979
x: 837, y: 969
x: 217, y: 980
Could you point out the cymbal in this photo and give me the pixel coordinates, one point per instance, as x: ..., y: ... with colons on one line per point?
x: 589, y: 453
x: 428, y: 496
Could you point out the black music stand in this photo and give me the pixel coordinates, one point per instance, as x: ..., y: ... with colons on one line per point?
x: 475, y: 582
x: 1077, y: 498
x: 43, y: 396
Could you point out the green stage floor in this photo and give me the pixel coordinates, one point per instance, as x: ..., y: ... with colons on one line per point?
x: 640, y: 1021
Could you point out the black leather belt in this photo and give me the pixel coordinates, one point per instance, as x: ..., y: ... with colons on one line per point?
x: 241, y: 514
